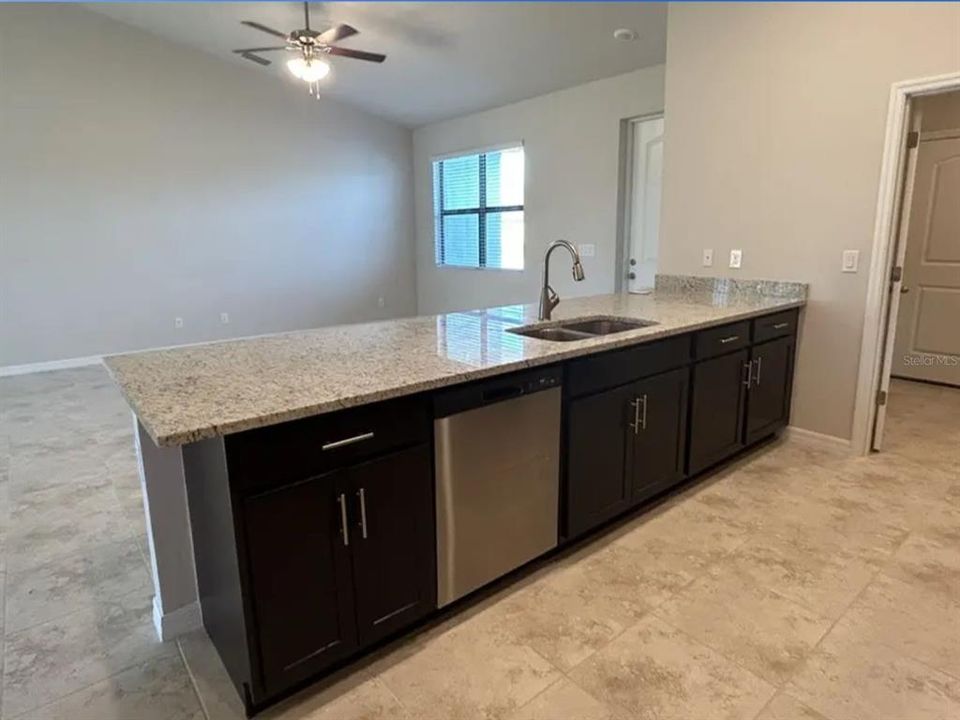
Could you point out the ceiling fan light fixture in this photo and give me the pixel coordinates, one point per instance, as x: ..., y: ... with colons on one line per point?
x: 309, y: 70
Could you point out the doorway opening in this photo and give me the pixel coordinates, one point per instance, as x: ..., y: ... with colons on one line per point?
x: 642, y: 182
x: 911, y: 343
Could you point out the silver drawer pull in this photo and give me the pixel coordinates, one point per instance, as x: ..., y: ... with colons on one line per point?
x: 643, y: 420
x: 748, y: 366
x: 363, y: 513
x: 756, y: 380
x: 346, y: 441
x: 344, y: 530
x: 726, y: 340
x: 781, y: 326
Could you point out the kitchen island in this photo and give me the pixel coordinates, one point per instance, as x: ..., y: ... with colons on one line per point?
x: 312, y: 464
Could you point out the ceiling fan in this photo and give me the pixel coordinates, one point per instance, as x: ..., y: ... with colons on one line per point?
x: 310, y: 46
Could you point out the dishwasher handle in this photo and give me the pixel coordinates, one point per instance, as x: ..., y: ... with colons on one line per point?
x: 502, y: 392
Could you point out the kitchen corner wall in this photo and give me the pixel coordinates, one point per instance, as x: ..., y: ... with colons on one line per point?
x: 142, y: 181
x: 775, y: 122
x: 572, y: 147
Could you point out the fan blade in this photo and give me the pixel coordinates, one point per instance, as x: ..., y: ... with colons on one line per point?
x: 357, y: 54
x: 336, y: 34
x: 261, y: 49
x: 256, y: 58
x: 264, y: 28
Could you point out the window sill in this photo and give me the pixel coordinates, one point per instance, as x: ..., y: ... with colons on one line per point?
x: 478, y: 269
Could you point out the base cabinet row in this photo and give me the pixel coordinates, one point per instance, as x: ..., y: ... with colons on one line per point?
x: 316, y: 539
x: 626, y: 443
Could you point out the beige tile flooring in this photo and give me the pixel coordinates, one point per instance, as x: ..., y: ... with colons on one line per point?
x: 800, y: 582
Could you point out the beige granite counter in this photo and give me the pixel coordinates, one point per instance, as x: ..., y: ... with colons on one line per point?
x: 190, y: 393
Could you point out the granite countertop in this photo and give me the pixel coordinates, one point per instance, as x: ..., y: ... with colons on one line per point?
x: 187, y: 394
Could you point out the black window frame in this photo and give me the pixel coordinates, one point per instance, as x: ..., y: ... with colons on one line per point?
x: 481, y: 211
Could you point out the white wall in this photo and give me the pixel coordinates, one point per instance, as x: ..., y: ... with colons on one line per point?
x: 141, y: 181
x: 572, y: 146
x: 774, y: 135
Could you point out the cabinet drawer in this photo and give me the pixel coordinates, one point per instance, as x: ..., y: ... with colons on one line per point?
x: 275, y: 455
x: 619, y: 367
x: 773, y: 326
x: 720, y: 340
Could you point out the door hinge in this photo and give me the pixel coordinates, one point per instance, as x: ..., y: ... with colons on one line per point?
x: 896, y: 275
x: 913, y: 139
x: 881, y: 398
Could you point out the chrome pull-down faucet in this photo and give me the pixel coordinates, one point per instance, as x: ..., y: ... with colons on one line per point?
x: 548, y: 296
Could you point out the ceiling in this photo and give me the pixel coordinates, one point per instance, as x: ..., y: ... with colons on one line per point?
x: 444, y: 59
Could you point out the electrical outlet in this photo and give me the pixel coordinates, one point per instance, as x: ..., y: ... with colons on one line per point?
x: 224, y: 318
x: 588, y: 250
x: 178, y: 323
x: 736, y: 256
x: 851, y: 261
x: 381, y: 302
x: 707, y: 257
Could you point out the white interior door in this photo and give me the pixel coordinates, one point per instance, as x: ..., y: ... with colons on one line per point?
x: 927, y: 342
x: 646, y: 180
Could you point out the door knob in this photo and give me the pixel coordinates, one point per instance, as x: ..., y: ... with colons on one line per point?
x: 632, y: 275
x: 633, y: 261
x: 904, y: 290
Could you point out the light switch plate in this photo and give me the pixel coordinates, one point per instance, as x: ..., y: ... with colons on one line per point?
x: 707, y: 257
x: 736, y: 256
x: 588, y: 250
x: 851, y: 261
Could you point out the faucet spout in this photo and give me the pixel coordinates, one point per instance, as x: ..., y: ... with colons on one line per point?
x: 548, y: 296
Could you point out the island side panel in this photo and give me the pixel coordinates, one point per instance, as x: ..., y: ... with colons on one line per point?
x: 176, y: 609
x: 218, y: 545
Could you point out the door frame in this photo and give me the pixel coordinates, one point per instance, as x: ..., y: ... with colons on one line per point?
x: 625, y: 191
x: 878, y: 325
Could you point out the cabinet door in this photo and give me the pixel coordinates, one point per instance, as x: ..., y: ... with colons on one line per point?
x: 597, y: 484
x: 659, y: 430
x: 716, y: 410
x: 768, y: 401
x: 300, y: 579
x: 392, y: 542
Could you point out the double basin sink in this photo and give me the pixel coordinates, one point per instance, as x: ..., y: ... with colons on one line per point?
x: 581, y: 329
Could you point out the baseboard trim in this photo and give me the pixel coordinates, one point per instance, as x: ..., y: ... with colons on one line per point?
x: 803, y: 433
x: 179, y: 622
x: 10, y: 370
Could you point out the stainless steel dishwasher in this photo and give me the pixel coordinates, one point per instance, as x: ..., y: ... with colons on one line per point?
x: 497, y: 446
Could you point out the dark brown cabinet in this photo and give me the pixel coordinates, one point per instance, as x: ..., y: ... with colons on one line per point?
x: 597, y: 445
x: 771, y: 378
x: 392, y: 542
x: 659, y: 432
x: 313, y: 540
x: 300, y: 578
x: 717, y: 406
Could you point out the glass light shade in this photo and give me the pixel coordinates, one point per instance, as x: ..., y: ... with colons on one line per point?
x: 309, y: 70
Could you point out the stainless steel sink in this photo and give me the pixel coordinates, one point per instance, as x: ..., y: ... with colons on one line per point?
x: 581, y: 329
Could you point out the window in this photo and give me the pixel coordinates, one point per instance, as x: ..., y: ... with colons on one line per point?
x: 478, y: 209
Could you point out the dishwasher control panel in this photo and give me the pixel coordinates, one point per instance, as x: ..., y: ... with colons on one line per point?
x: 497, y: 389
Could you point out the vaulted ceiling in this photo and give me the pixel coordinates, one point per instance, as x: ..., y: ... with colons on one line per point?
x: 443, y: 59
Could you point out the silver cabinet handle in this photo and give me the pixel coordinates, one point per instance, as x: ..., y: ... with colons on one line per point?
x: 363, y: 514
x: 757, y: 378
x: 635, y: 404
x: 347, y: 441
x: 724, y: 341
x: 344, y: 530
x: 643, y: 420
x: 748, y: 366
x: 781, y: 326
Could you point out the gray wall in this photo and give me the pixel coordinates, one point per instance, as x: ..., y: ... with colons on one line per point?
x: 141, y: 181
x: 572, y: 150
x: 774, y: 137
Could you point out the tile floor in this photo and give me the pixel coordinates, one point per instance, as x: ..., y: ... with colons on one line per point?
x: 798, y: 583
